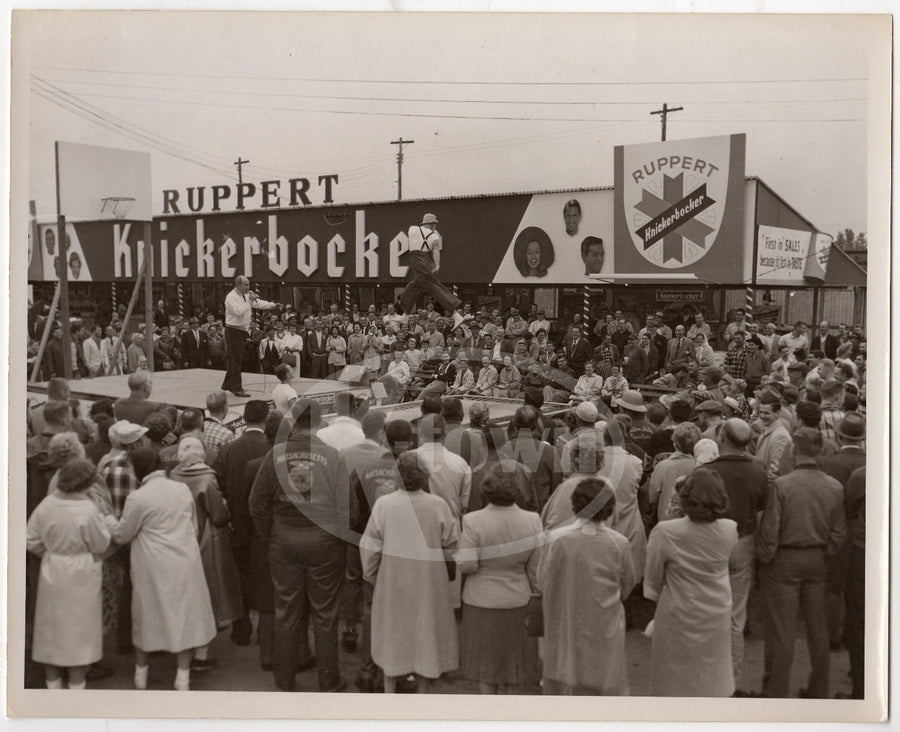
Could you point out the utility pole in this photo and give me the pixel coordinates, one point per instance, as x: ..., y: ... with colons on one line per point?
x: 663, y: 114
x: 240, y: 165
x: 401, y: 142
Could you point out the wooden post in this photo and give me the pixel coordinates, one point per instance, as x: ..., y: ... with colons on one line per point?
x: 148, y: 295
x: 48, y: 325
x: 113, y: 357
x: 63, y: 274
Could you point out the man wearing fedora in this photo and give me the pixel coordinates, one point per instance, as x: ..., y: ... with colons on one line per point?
x: 631, y: 403
x: 850, y: 434
x: 425, y: 244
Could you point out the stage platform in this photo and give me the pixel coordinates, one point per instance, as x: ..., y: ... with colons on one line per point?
x: 500, y: 409
x: 189, y: 388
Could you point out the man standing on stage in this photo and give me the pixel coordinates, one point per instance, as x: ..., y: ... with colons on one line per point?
x: 239, y: 304
x: 425, y: 245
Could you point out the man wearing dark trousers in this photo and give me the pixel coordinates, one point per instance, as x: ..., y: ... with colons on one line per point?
x: 300, y: 503
x: 803, y: 526
x: 229, y: 466
x: 317, y: 354
x: 849, y: 434
x: 425, y: 245
x: 193, y: 346
x: 855, y: 619
x: 746, y: 483
x: 239, y: 304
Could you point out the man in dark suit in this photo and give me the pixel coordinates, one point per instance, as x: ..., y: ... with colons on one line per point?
x: 826, y: 340
x: 193, y: 346
x: 680, y: 349
x: 578, y: 351
x: 316, y: 351
x: 230, y: 467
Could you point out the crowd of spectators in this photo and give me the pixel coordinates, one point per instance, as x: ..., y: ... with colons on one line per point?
x: 382, y: 536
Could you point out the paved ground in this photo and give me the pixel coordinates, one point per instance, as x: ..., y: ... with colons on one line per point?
x: 238, y: 668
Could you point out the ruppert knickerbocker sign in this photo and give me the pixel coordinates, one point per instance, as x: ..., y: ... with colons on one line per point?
x: 679, y: 207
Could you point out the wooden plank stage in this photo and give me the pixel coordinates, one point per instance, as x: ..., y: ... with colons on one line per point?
x: 189, y: 388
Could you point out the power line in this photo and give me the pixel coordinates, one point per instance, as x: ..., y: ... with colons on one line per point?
x: 427, y: 100
x: 425, y: 115
x: 445, y: 82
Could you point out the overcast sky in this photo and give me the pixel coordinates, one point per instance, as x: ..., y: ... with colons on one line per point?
x: 494, y: 103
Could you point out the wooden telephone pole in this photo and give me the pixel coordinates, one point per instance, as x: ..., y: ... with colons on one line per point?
x: 401, y: 142
x: 663, y: 115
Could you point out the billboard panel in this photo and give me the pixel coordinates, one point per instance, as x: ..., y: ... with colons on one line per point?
x: 679, y: 208
x: 88, y: 174
x: 485, y: 239
x: 791, y: 256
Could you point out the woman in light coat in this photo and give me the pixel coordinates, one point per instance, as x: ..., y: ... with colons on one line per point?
x: 171, y: 609
x: 213, y: 535
x: 69, y: 534
x: 403, y: 550
x: 585, y: 574
x: 687, y: 573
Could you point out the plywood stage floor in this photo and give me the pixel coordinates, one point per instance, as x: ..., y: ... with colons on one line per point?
x: 189, y: 387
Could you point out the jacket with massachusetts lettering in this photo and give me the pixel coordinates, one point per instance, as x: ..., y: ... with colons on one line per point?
x: 302, y: 483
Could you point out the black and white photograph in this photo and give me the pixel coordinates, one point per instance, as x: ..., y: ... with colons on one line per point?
x: 430, y: 359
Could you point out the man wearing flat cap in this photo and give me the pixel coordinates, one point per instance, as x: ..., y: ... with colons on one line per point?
x: 425, y: 246
x: 709, y: 418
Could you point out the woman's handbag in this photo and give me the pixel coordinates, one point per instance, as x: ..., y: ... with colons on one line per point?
x: 534, y: 617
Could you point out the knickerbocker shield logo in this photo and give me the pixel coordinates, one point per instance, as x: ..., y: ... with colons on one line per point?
x: 674, y: 197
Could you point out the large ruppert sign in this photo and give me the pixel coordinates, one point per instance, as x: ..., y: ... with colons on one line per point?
x: 546, y: 238
x: 679, y: 208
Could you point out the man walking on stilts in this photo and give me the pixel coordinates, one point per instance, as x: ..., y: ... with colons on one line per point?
x: 425, y: 260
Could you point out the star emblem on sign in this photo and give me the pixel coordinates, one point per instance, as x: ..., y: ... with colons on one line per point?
x: 673, y: 217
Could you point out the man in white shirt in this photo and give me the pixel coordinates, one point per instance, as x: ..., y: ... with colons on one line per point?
x: 450, y: 475
x: 343, y: 430
x: 796, y: 339
x: 425, y: 246
x: 93, y: 353
x: 270, y: 350
x: 392, y: 319
x: 539, y: 323
x: 239, y: 304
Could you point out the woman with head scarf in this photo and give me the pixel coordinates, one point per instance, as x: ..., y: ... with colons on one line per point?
x: 68, y: 532
x: 585, y: 574
x: 337, y: 350
x: 509, y: 381
x: 171, y: 607
x: 703, y: 352
x: 582, y: 457
x: 614, y: 386
x: 213, y: 537
x: 498, y: 551
x: 687, y: 574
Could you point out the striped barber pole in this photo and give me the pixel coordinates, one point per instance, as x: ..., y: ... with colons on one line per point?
x: 347, y: 298
x: 586, y: 313
x: 181, y: 300
x: 115, y: 304
x: 455, y: 291
x: 748, y: 303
